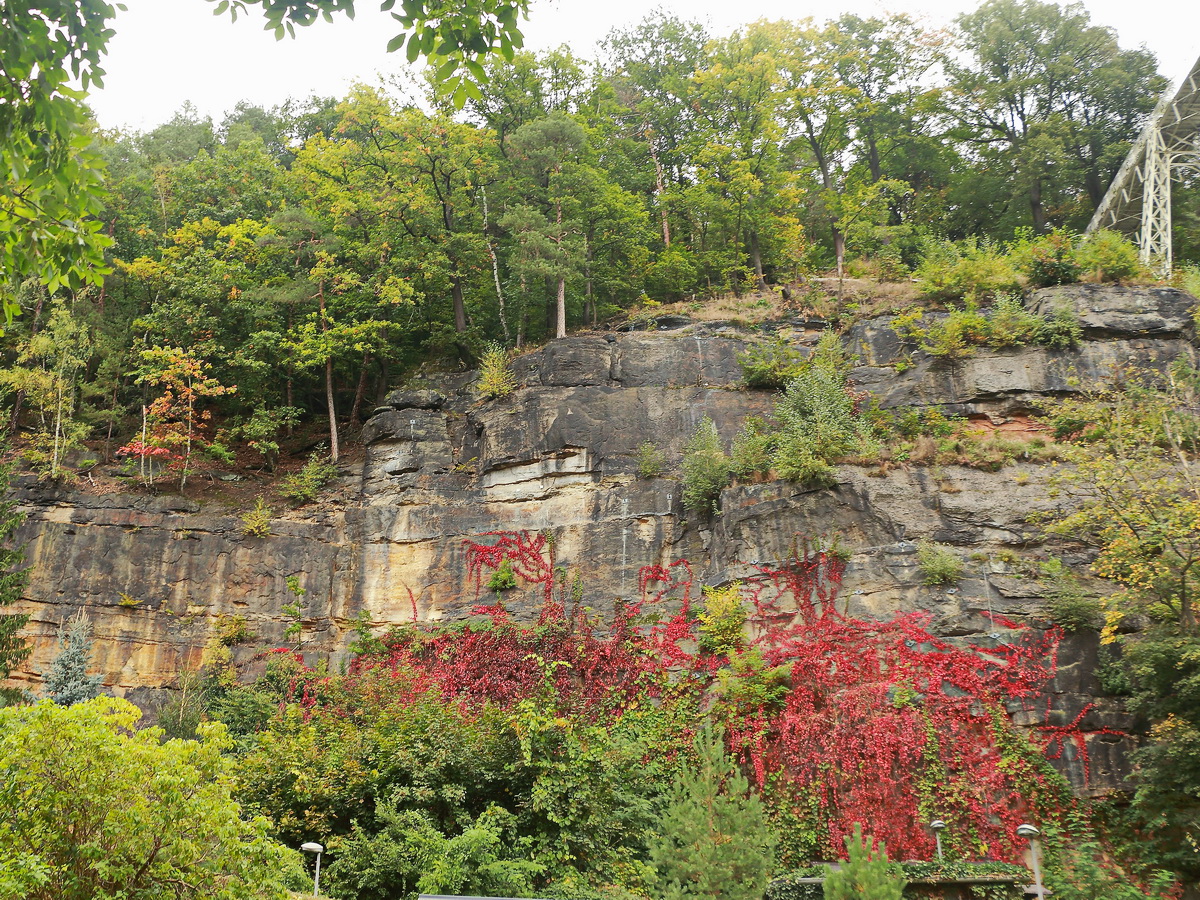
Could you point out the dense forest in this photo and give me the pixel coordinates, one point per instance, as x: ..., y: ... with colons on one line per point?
x: 291, y: 264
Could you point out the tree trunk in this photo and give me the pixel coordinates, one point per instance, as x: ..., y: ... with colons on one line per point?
x: 460, y: 308
x: 756, y: 260
x: 1040, y: 226
x: 660, y: 191
x: 333, y: 430
x: 560, y: 324
x: 495, y: 269
x: 360, y: 392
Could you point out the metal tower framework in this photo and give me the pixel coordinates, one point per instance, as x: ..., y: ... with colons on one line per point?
x: 1139, y: 199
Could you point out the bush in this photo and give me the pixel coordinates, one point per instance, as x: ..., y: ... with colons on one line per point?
x: 650, y: 460
x: 706, y: 469
x: 752, y: 450
x: 770, y: 365
x: 1061, y: 330
x: 1066, y: 603
x: 257, y: 522
x: 969, y: 270
x: 866, y: 874
x: 496, y: 379
x: 1049, y: 259
x: 723, y: 622
x: 1108, y: 256
x: 303, y: 486
x: 819, y: 422
x: 938, y: 564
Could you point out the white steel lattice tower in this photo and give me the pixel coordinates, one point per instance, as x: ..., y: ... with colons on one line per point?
x: 1139, y: 199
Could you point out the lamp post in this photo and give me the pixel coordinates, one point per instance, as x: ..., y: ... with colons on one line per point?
x: 314, y: 847
x: 936, y: 827
x: 1035, y: 853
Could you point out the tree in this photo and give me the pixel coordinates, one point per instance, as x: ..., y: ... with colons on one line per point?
x: 714, y: 839
x: 92, y: 807
x: 866, y: 874
x: 13, y: 579
x: 1051, y: 99
x: 52, y: 172
x: 68, y: 682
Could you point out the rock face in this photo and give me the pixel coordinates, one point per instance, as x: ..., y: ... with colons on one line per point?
x: 444, y: 469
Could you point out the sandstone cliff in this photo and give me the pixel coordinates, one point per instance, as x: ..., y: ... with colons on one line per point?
x: 442, y: 468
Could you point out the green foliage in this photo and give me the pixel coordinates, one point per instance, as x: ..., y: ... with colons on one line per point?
x: 1109, y: 257
x: 51, y: 189
x: 866, y: 874
x: 1049, y: 259
x: 753, y: 450
x: 256, y: 522
x: 1007, y: 323
x: 502, y: 578
x: 748, y: 684
x: 819, y: 422
x: 303, y: 486
x: 770, y: 364
x: 68, y: 682
x: 407, y: 855
x: 261, y: 431
x: 294, y: 611
x: 970, y: 270
x: 651, y: 462
x: 496, y: 379
x: 714, y: 840
x: 706, y: 469
x: 458, y: 39
x: 938, y: 564
x: 93, y: 807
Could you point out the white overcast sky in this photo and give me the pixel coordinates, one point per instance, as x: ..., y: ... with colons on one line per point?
x: 169, y: 51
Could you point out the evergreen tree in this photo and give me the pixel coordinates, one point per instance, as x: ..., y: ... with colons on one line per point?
x: 13, y: 579
x: 68, y: 682
x: 715, y: 841
x: 866, y: 874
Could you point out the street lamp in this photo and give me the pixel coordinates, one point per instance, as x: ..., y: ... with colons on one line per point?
x: 936, y: 827
x: 1035, y: 848
x: 314, y: 847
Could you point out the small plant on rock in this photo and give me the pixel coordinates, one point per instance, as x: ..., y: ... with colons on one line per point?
x: 257, y: 522
x: 304, y: 485
x: 650, y: 460
x: 938, y: 564
x: 706, y: 469
x: 496, y: 379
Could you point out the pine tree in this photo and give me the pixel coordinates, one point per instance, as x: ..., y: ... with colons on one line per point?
x: 68, y: 682
x: 715, y: 840
x: 866, y: 875
x: 13, y: 579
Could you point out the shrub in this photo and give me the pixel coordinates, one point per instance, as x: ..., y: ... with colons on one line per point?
x: 503, y: 578
x: 866, y: 874
x: 1011, y: 324
x: 770, y: 365
x: 706, y: 468
x: 1061, y: 330
x: 819, y: 422
x: 650, y: 460
x: 496, y: 379
x: 969, y: 270
x: 1049, y: 259
x: 303, y: 486
x: 752, y: 449
x: 938, y: 564
x: 257, y: 522
x: 723, y: 622
x: 1108, y: 256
